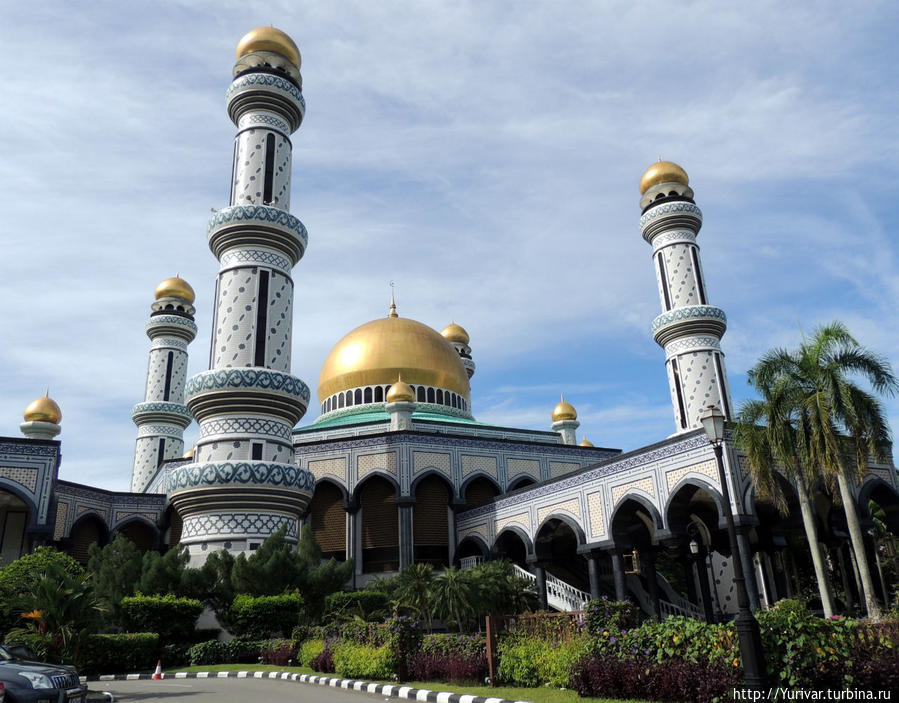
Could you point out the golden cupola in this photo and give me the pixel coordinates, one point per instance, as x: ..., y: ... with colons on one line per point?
x: 564, y: 411
x: 455, y: 333
x: 379, y: 352
x: 585, y: 443
x: 175, y: 287
x: 400, y: 392
x: 663, y: 172
x: 44, y: 409
x: 269, y: 39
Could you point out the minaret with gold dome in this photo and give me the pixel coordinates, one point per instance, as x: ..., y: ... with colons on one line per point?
x: 242, y: 485
x: 458, y: 337
x: 162, y: 416
x: 42, y: 418
x: 689, y: 328
x: 565, y: 421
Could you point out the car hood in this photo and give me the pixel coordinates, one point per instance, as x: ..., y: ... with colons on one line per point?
x: 38, y: 667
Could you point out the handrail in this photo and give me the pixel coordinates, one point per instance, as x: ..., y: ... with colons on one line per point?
x: 560, y: 595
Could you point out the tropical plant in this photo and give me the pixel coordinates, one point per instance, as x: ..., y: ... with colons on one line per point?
x: 453, y: 596
x: 498, y: 590
x: 766, y: 431
x: 114, y: 571
x: 416, y: 590
x: 841, y: 425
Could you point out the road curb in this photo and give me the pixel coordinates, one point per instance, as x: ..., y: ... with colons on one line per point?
x: 391, y: 690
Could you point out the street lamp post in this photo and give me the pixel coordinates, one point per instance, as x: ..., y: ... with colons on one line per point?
x: 747, y: 626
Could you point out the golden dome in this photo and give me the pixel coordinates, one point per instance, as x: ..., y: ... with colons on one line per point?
x: 564, y: 411
x: 455, y: 333
x: 44, y: 409
x: 585, y: 443
x: 175, y: 288
x: 269, y: 39
x: 400, y: 392
x: 379, y: 351
x: 189, y: 454
x: 663, y: 172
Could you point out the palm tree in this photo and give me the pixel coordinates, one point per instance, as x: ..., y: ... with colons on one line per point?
x: 415, y: 586
x: 453, y: 596
x: 767, y: 432
x: 841, y: 424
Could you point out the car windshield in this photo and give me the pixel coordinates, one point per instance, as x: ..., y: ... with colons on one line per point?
x: 5, y: 656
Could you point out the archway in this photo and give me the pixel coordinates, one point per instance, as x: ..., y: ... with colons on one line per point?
x: 480, y: 490
x: 328, y: 520
x: 521, y: 482
x: 14, y: 518
x: 470, y: 551
x: 380, y: 526
x: 140, y: 533
x: 512, y: 545
x: 556, y: 546
x: 430, y: 521
x: 87, y: 530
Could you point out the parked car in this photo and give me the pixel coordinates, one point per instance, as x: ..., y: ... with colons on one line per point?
x: 23, y: 680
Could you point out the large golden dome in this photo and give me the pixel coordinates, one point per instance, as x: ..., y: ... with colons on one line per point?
x: 44, y: 409
x: 269, y: 39
x: 379, y: 351
x: 175, y: 288
x: 663, y: 172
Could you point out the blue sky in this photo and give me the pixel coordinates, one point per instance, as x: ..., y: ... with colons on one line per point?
x: 483, y: 155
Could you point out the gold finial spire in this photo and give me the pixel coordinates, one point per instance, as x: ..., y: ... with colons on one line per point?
x: 392, y: 312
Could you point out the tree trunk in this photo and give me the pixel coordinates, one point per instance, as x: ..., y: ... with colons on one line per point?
x: 858, y: 545
x: 811, y: 534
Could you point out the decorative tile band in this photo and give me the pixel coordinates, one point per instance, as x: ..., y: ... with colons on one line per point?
x: 171, y: 321
x: 669, y: 208
x: 168, y: 343
x: 691, y: 312
x: 257, y: 119
x: 236, y: 525
x: 255, y: 257
x: 694, y: 343
x: 245, y: 425
x: 256, y: 214
x: 167, y: 408
x: 245, y: 473
x: 263, y: 379
x: 265, y: 80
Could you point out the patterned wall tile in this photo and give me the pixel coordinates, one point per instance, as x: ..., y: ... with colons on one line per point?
x: 709, y: 469
x: 531, y: 467
x: 329, y: 467
x: 572, y: 506
x: 428, y: 460
x: 59, y: 529
x: 644, y: 484
x: 480, y: 530
x: 559, y: 468
x: 367, y: 463
x: 25, y: 476
x: 519, y: 519
x: 470, y: 464
x: 596, y: 514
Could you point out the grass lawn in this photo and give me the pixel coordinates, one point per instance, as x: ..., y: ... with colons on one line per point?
x: 543, y: 694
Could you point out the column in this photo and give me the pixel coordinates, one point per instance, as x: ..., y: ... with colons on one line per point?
x: 618, y: 576
x: 749, y: 570
x: 405, y: 505
x: 593, y: 574
x: 648, y: 566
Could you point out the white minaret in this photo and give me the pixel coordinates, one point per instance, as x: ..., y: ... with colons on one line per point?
x: 689, y: 329
x: 242, y: 485
x: 565, y: 421
x: 162, y: 416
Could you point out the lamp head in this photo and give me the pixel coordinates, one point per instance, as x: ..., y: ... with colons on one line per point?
x: 713, y: 424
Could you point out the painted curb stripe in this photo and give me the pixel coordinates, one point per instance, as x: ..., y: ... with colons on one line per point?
x: 423, y: 695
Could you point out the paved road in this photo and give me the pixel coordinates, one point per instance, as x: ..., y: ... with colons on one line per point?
x: 230, y: 691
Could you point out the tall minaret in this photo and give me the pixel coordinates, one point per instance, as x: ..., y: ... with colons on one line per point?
x: 689, y: 329
x: 243, y: 485
x: 162, y: 416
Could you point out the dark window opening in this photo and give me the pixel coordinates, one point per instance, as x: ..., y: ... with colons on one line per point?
x: 358, y: 396
x: 439, y: 397
x: 664, y: 278
x: 257, y: 451
x: 367, y: 397
x: 161, y: 457
x: 421, y: 394
x: 722, y: 388
x: 269, y: 168
x: 680, y: 395
x: 261, y: 318
x: 379, y: 394
x: 430, y: 395
x: 168, y: 377
x: 349, y: 398
x: 340, y: 401
x: 700, y: 286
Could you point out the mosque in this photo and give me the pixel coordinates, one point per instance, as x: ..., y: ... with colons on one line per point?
x: 397, y: 470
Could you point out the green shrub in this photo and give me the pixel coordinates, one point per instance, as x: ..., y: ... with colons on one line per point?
x: 605, y: 614
x: 675, y: 637
x: 363, y: 604
x: 518, y: 661
x: 177, y: 654
x: 118, y: 654
x: 266, y: 616
x: 555, y: 662
x: 171, y: 617
x: 237, y: 651
x: 361, y: 661
x: 309, y: 650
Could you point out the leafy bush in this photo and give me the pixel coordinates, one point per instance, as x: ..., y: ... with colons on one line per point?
x: 530, y: 661
x: 358, y: 632
x: 237, y: 651
x: 278, y: 652
x: 171, y: 617
x: 309, y: 650
x: 403, y: 639
x: 675, y: 637
x: 363, y: 604
x: 677, y: 680
x: 177, y: 654
x: 605, y: 614
x: 360, y: 661
x: 264, y: 616
x: 452, y: 667
x: 324, y: 662
x: 118, y: 654
x: 454, y: 645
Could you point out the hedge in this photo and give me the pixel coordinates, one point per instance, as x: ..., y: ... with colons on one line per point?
x: 266, y: 616
x: 361, y: 603
x: 173, y: 618
x: 118, y: 654
x: 309, y: 650
x: 530, y: 661
x: 237, y: 651
x: 361, y: 661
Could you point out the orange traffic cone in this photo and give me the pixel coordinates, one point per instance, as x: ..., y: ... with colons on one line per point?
x: 158, y: 673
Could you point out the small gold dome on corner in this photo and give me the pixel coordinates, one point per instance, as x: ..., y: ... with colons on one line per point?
x: 564, y: 411
x: 269, y: 39
x: 455, y: 333
x: 189, y: 454
x: 400, y: 392
x: 585, y: 443
x: 175, y: 288
x: 663, y: 172
x: 44, y: 409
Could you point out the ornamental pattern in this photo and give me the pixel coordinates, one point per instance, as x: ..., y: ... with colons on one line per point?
x: 256, y: 118
x: 367, y: 463
x: 428, y: 460
x: 247, y: 473
x: 255, y: 257
x: 237, y: 214
x: 675, y: 236
x: 156, y: 430
x: 531, y: 467
x: 486, y: 464
x: 245, y: 425
x: 667, y: 209
x: 59, y: 527
x: 559, y: 468
x: 520, y: 519
x: 596, y: 514
x: 124, y: 515
x: 253, y: 524
x: 689, y: 313
x: 709, y: 469
x: 644, y: 484
x: 480, y: 530
x: 572, y: 506
x: 325, y: 467
x: 171, y: 408
x: 686, y: 344
x: 168, y: 343
x: 381, y: 407
x: 169, y: 321
x: 267, y: 80
x: 23, y: 476
x: 222, y: 379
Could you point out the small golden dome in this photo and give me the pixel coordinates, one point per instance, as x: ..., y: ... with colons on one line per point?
x: 663, y: 172
x: 189, y: 454
x: 585, y: 443
x: 44, y: 409
x: 379, y: 351
x: 175, y: 288
x: 269, y: 39
x: 564, y: 411
x: 455, y: 333
x: 400, y: 392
